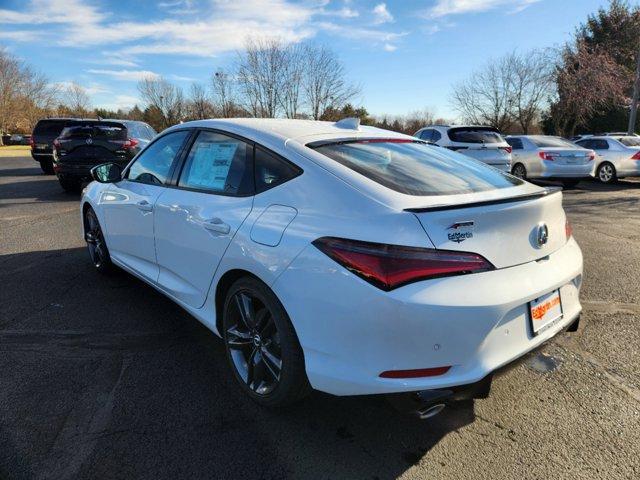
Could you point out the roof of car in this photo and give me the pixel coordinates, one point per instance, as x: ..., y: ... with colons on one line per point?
x: 284, y: 129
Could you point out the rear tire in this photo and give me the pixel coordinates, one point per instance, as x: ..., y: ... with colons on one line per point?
x: 47, y: 166
x: 261, y: 345
x: 570, y: 182
x: 519, y: 170
x: 68, y: 185
x: 606, y: 173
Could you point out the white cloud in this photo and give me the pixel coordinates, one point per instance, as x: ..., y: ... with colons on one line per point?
x: 124, y: 102
x: 444, y: 8
x: 381, y: 14
x: 130, y: 75
x: 389, y: 47
x: 20, y: 35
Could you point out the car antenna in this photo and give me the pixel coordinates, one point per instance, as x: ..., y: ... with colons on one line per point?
x: 351, y: 123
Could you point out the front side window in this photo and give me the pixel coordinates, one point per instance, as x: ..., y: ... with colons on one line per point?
x: 154, y: 164
x: 218, y: 163
x: 271, y: 170
x: 413, y: 168
x: 426, y: 135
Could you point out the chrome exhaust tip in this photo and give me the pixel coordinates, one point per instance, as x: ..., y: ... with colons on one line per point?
x: 430, y: 411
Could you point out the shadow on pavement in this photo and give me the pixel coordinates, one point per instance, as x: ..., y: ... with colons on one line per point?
x: 103, y: 377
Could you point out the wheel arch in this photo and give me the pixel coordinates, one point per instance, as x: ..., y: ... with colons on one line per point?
x: 223, y: 286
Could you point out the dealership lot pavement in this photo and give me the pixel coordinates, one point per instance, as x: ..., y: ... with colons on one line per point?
x: 105, y: 378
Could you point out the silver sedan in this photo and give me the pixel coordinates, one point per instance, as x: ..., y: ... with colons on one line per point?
x: 617, y: 156
x: 541, y: 156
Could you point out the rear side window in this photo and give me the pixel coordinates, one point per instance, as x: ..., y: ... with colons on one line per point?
x: 474, y: 135
x: 629, y: 141
x: 153, y: 165
x: 594, y: 144
x: 49, y: 127
x: 218, y: 163
x: 426, y: 135
x: 414, y: 168
x: 271, y: 170
x: 515, y: 143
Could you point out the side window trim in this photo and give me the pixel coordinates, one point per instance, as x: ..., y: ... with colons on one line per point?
x: 176, y: 160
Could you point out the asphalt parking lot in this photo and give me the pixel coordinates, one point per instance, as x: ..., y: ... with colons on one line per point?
x: 105, y: 378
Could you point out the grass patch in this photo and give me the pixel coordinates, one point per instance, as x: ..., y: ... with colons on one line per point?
x: 15, y: 151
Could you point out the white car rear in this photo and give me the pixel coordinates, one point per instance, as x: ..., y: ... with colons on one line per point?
x: 616, y: 157
x: 482, y: 143
x: 350, y: 259
x: 541, y: 156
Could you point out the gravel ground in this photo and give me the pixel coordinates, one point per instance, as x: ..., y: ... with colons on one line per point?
x: 105, y: 378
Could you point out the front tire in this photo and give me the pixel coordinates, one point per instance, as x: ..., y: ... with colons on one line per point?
x: 519, y: 171
x: 607, y: 173
x: 96, y: 245
x: 261, y: 345
x: 46, y: 166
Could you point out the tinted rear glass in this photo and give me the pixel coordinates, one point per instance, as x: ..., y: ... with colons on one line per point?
x: 630, y: 141
x: 50, y: 127
x: 550, y: 142
x: 96, y: 131
x: 414, y: 168
x: 475, y: 135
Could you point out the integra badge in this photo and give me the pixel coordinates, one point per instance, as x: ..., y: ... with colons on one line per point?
x: 456, y: 235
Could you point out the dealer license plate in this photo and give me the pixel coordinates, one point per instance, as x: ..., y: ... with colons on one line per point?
x: 545, y: 311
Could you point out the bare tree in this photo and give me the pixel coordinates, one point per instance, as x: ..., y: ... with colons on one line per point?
x: 224, y: 93
x: 294, y: 63
x: 76, y: 99
x: 165, y: 97
x: 199, y: 106
x: 24, y: 94
x: 486, y: 98
x: 324, y: 81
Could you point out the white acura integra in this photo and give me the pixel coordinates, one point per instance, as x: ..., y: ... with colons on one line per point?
x: 349, y: 259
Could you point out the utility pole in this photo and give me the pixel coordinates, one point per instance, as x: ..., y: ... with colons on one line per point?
x: 631, y: 129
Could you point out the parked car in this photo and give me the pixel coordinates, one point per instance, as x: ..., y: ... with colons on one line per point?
x: 616, y: 157
x: 575, y: 138
x: 348, y: 259
x: 482, y: 143
x: 44, y: 133
x: 540, y: 156
x: 616, y: 134
x: 87, y: 143
x: 19, y: 139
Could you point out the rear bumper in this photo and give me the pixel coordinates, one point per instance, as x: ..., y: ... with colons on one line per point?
x: 473, y: 323
x: 40, y: 156
x: 628, y: 168
x: 555, y: 170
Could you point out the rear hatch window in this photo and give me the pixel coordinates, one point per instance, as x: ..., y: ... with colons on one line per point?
x: 102, y: 131
x: 415, y: 168
x: 475, y: 135
x: 50, y: 128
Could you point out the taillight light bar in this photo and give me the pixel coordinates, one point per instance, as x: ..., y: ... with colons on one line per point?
x: 391, y: 266
x: 547, y: 156
x: 636, y: 156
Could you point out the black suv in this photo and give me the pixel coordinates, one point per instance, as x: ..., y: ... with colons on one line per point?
x: 86, y: 143
x: 44, y: 133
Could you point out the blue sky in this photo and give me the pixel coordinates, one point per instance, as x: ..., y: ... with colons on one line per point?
x: 406, y: 54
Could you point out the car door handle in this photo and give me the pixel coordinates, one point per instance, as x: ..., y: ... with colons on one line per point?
x: 216, y: 225
x: 144, y: 206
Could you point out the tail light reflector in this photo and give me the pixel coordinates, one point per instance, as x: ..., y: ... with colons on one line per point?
x: 568, y: 229
x: 547, y: 156
x: 56, y: 143
x: 421, y: 372
x: 391, y: 266
x: 636, y: 156
x: 32, y: 142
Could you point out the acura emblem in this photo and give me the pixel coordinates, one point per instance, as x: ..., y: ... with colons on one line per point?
x: 542, y: 234
x: 89, y: 141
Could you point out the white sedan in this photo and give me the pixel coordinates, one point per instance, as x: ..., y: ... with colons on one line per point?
x: 542, y: 156
x: 348, y: 259
x: 617, y: 156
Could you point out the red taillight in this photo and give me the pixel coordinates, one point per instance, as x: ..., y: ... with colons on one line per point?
x: 421, y: 372
x: 391, y: 266
x: 130, y: 143
x: 56, y: 144
x: 636, y: 156
x: 591, y: 155
x: 508, y: 149
x: 568, y: 230
x: 32, y: 142
x: 547, y: 156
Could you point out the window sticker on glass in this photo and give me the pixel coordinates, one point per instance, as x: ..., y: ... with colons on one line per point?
x: 211, y: 164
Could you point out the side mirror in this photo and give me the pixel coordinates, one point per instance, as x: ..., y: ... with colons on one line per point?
x: 107, y: 173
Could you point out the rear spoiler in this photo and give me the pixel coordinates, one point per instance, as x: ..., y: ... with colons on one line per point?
x: 515, y: 198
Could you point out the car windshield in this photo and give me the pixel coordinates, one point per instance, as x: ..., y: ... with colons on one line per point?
x: 104, y: 131
x: 551, y: 142
x: 630, y: 141
x: 475, y: 135
x: 415, y: 168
